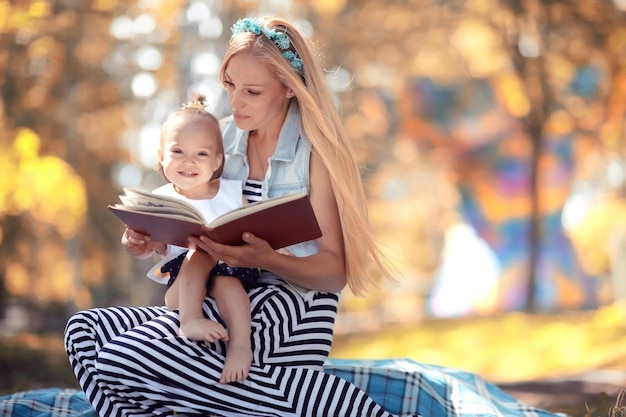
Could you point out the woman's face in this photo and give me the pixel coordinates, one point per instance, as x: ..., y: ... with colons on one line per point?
x: 259, y: 101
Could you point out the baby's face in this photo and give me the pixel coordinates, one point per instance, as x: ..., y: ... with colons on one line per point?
x: 191, y: 155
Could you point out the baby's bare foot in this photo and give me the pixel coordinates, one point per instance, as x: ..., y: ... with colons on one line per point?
x: 237, y: 364
x: 202, y: 329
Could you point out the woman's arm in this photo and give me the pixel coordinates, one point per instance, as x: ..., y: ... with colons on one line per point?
x: 324, y: 271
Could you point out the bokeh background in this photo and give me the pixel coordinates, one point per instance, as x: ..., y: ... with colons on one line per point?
x: 491, y: 135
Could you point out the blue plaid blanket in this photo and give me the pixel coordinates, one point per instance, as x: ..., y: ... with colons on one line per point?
x: 402, y: 386
x: 48, y: 402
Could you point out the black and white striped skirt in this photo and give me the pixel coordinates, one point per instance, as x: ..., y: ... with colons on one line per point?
x: 131, y: 362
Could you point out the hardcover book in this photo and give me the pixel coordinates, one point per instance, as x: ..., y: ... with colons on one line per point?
x: 281, y: 221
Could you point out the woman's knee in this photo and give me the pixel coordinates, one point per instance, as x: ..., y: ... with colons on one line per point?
x: 79, y: 321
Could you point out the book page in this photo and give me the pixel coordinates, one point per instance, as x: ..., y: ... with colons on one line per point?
x: 253, y: 208
x: 147, y: 201
x: 166, y: 213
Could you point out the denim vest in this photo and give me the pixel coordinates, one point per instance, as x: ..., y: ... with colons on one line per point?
x: 288, y: 168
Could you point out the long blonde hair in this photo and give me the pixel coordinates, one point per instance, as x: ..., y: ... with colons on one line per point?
x: 323, y: 126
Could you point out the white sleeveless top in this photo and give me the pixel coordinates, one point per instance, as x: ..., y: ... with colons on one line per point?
x: 228, y: 197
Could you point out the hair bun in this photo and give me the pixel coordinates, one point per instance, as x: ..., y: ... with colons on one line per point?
x: 198, y: 101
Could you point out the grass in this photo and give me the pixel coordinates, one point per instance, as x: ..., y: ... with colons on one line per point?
x: 619, y: 410
x: 512, y: 347
x: 30, y: 362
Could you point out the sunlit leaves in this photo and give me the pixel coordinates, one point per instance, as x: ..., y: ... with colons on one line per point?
x: 54, y: 281
x: 50, y: 198
x: 511, y: 94
x: 600, y: 228
x: 105, y: 5
x: 13, y: 17
x: 328, y: 7
x: 40, y: 70
x: 480, y: 46
x: 46, y: 187
x: 68, y: 79
x: 61, y: 118
x: 17, y: 282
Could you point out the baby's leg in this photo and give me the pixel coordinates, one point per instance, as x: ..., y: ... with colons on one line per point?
x: 192, y: 280
x: 172, y: 296
x: 234, y: 307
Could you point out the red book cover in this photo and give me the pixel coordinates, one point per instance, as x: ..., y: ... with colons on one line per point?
x: 281, y: 222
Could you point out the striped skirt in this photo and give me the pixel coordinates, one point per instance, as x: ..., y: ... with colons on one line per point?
x: 131, y: 362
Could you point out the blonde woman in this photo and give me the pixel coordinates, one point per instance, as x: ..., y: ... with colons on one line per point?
x: 284, y: 136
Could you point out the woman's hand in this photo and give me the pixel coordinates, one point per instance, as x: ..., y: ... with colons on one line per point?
x: 323, y: 271
x: 140, y: 245
x: 255, y: 253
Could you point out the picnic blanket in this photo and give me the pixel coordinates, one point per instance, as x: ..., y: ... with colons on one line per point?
x: 402, y: 386
x: 47, y: 402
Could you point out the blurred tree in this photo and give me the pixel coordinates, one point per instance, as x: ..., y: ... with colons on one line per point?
x: 517, y: 94
x: 80, y: 85
x: 549, y: 38
x: 59, y: 113
x: 434, y: 91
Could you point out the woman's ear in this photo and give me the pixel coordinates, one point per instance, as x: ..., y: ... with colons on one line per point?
x: 290, y: 93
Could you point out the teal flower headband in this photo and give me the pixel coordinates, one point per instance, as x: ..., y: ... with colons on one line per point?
x: 280, y: 39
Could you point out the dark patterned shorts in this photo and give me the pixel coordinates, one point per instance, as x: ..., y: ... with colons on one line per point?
x: 247, y: 276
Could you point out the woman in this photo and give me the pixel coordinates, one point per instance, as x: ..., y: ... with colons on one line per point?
x: 284, y: 136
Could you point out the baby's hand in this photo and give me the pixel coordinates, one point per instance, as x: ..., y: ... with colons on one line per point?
x: 140, y: 245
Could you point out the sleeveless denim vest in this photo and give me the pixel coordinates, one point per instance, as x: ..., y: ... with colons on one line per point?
x: 288, y: 169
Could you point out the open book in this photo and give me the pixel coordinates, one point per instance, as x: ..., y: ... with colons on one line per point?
x: 281, y: 221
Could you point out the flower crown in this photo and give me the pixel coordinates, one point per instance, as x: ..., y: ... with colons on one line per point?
x: 280, y: 39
